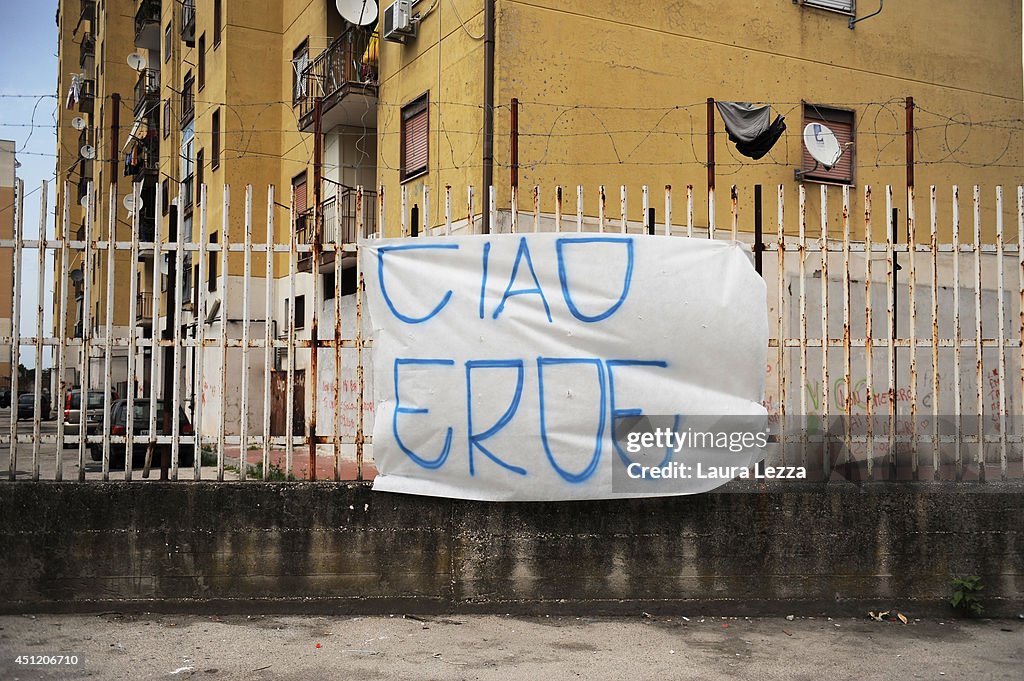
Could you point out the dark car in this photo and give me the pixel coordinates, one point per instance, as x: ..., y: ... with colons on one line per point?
x: 93, y: 411
x: 5, y: 398
x: 119, y: 426
x: 27, y: 404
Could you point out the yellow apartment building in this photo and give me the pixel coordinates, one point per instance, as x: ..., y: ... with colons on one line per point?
x: 616, y: 94
x: 10, y: 196
x: 95, y: 85
x: 294, y: 95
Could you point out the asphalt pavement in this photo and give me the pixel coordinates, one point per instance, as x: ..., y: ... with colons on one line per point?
x: 455, y: 647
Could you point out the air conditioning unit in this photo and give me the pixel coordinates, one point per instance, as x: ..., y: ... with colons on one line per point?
x: 398, y: 22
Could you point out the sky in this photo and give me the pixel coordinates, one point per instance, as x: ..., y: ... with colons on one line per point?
x: 28, y: 66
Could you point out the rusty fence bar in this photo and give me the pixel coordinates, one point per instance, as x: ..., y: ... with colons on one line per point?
x: 843, y: 386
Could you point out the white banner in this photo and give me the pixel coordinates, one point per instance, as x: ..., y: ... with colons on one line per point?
x: 503, y: 363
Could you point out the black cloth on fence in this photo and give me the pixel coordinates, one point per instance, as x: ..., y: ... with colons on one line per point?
x: 749, y: 127
x: 764, y: 142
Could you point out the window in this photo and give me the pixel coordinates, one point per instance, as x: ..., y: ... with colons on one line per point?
x: 165, y: 196
x: 840, y: 122
x: 188, y: 101
x: 415, y: 147
x: 167, y: 117
x: 167, y: 42
x: 844, y: 6
x: 300, y: 60
x: 217, y: 20
x: 215, y: 140
x: 328, y: 285
x: 299, y: 190
x: 300, y: 312
x: 211, y: 282
x: 200, y: 174
x: 201, y: 62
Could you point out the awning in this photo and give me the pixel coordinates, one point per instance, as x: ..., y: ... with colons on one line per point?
x: 139, y: 130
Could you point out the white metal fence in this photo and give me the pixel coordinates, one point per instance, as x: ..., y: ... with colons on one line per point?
x: 893, y: 361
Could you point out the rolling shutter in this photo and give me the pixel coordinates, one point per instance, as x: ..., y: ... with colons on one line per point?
x: 844, y: 6
x: 841, y: 123
x: 299, y: 184
x: 415, y: 136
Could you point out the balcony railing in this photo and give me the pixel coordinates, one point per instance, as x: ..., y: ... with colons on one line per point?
x: 87, y: 49
x: 147, y: 89
x: 338, y: 223
x: 188, y: 22
x: 86, y: 95
x: 144, y: 307
x: 349, y: 65
x: 147, y: 25
x: 84, y: 137
x: 144, y: 158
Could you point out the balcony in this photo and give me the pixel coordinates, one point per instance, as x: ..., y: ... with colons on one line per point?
x: 144, y: 159
x: 344, y: 76
x: 83, y: 187
x: 188, y: 22
x: 147, y: 25
x: 85, y: 137
x: 147, y: 90
x: 87, y: 51
x: 144, y: 308
x: 338, y: 226
x: 88, y: 12
x: 86, y: 97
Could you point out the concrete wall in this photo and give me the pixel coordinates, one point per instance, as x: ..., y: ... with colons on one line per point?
x: 342, y: 548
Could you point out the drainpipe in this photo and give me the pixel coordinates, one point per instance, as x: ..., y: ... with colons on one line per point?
x: 488, y: 158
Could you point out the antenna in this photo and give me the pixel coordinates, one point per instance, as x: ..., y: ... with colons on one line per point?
x: 822, y: 145
x: 136, y: 61
x: 88, y: 152
x: 78, y: 123
x: 128, y: 202
x: 358, y: 12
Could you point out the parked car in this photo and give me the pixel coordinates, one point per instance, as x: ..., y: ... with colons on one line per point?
x: 93, y: 411
x: 5, y: 398
x: 27, y: 404
x: 119, y: 426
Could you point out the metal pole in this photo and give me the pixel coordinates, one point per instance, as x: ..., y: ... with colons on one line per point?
x: 758, y: 233
x: 711, y: 144
x: 910, y: 142
x: 115, y: 100
x: 488, y: 155
x: 168, y: 334
x: 514, y: 143
x: 314, y: 343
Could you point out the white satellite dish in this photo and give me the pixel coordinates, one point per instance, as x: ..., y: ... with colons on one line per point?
x: 88, y: 152
x: 136, y: 61
x: 78, y: 123
x: 128, y: 202
x: 358, y: 12
x: 822, y: 145
x: 84, y: 201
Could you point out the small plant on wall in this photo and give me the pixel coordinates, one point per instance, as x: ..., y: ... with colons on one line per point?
x: 966, y: 595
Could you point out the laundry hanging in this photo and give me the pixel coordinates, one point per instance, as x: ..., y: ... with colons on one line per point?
x: 751, y: 127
